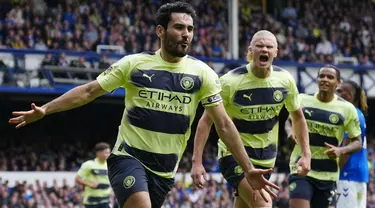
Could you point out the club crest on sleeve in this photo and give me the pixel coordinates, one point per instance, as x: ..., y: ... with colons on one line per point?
x: 129, y: 181
x: 238, y: 170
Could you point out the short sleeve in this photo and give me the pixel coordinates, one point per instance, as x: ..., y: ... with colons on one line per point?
x: 352, y: 126
x: 292, y: 102
x: 84, y: 170
x: 225, y: 90
x: 211, y: 88
x: 115, y: 76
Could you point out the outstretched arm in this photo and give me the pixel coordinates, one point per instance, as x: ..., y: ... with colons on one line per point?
x: 74, y: 98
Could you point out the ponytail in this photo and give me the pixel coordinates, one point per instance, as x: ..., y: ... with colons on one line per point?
x: 359, y: 97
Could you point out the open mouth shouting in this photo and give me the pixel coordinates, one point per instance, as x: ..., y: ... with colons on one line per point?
x: 263, y: 60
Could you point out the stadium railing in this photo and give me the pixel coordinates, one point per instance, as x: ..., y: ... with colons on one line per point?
x: 29, y: 62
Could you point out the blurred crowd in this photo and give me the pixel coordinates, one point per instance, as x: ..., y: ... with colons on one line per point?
x: 41, y: 194
x: 332, y: 28
x: 215, y: 194
x: 44, y: 157
x: 83, y: 25
x: 68, y: 157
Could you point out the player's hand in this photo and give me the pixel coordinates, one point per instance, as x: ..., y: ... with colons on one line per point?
x: 26, y: 117
x: 92, y: 185
x: 197, y: 171
x: 333, y: 152
x: 304, y: 165
x: 257, y: 181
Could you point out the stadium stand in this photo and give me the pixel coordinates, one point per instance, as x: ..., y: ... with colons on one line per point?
x: 303, y: 34
x: 63, y: 38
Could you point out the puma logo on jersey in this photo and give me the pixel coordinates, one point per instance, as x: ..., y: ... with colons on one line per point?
x: 247, y: 96
x: 149, y: 77
x: 308, y: 112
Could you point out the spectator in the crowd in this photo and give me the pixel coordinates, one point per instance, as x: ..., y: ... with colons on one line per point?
x: 324, y: 47
x: 48, y: 60
x: 103, y: 63
x: 40, y: 45
x: 62, y: 62
x: 80, y: 63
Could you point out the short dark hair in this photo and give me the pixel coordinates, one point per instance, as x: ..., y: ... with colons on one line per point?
x: 338, y: 74
x: 163, y: 15
x: 101, y: 146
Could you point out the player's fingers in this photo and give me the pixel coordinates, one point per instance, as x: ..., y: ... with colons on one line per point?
x: 33, y: 106
x: 328, y: 145
x: 271, y: 193
x: 205, y: 176
x: 16, y: 120
x: 328, y: 151
x: 195, y: 179
x: 331, y: 153
x: 332, y: 156
x: 18, y: 113
x: 263, y: 195
x: 270, y: 184
x: 265, y: 171
x: 303, y: 165
x: 198, y: 181
x: 21, y: 125
x: 302, y: 172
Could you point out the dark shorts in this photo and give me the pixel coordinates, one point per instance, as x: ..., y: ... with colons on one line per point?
x: 105, y: 205
x: 127, y: 176
x: 321, y: 194
x: 233, y: 173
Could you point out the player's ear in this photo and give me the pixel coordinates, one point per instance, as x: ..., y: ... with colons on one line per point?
x: 249, y: 55
x: 160, y: 31
x: 249, y: 49
x: 276, y: 51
